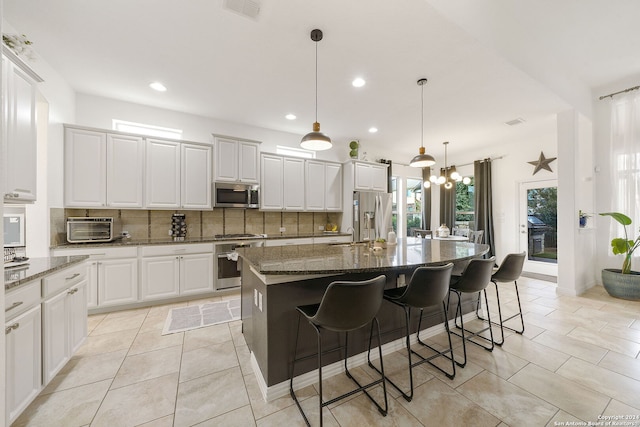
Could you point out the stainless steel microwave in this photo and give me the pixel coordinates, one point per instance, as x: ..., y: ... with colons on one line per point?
x: 92, y: 229
x: 229, y: 195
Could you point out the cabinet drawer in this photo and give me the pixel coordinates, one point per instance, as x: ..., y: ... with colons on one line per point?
x: 61, y: 280
x: 21, y: 299
x: 98, y: 253
x: 178, y: 249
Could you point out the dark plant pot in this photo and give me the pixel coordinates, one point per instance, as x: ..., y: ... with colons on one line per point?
x: 583, y: 221
x: 625, y: 286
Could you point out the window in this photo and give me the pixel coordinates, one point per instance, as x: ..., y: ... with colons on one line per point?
x: 144, y: 129
x: 394, y: 204
x: 414, y: 204
x: 295, y: 152
x: 465, y: 202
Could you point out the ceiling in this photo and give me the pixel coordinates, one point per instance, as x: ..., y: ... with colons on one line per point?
x: 487, y: 62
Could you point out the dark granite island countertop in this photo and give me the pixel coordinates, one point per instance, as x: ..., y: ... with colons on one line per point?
x: 408, y: 253
x: 277, y: 279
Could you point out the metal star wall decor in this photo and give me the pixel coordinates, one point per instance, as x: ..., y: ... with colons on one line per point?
x: 542, y: 163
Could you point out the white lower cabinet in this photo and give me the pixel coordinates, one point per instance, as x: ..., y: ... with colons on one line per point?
x: 289, y: 242
x: 332, y: 239
x: 65, y: 317
x: 117, y: 281
x: 46, y: 323
x: 170, y: 271
x: 113, y: 275
x: 23, y: 336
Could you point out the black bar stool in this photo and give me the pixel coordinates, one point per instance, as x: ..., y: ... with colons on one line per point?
x: 345, y: 306
x: 509, y: 271
x: 428, y: 287
x: 475, y: 278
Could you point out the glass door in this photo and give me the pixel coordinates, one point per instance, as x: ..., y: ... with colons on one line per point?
x: 539, y: 226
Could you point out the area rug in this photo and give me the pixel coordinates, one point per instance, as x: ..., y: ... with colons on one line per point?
x: 182, y: 319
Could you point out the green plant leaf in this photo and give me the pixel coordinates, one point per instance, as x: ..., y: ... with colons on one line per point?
x: 620, y: 217
x: 620, y: 246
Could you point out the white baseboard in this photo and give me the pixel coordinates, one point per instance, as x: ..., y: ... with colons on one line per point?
x: 276, y: 391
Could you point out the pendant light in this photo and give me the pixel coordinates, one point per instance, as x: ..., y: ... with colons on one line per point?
x: 422, y: 160
x: 449, y: 174
x: 316, y: 140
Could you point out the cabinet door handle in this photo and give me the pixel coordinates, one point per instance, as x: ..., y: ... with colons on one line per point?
x: 9, y: 328
x: 72, y: 291
x: 11, y: 195
x: 73, y: 277
x: 14, y: 305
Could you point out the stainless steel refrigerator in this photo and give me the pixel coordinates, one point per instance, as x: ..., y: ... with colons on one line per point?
x: 371, y: 215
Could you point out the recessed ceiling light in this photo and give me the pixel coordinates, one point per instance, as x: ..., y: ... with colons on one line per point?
x: 158, y: 86
x: 373, y: 130
x: 290, y: 116
x: 358, y: 82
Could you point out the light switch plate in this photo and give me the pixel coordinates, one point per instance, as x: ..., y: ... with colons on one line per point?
x: 260, y: 301
x: 283, y: 229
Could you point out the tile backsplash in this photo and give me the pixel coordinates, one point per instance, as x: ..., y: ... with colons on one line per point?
x: 155, y: 224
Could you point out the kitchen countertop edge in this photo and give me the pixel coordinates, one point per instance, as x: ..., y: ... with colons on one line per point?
x: 169, y: 241
x: 40, y: 267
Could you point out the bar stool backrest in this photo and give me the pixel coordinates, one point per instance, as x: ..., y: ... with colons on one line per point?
x: 476, y: 275
x: 346, y: 306
x: 428, y: 286
x: 510, y: 269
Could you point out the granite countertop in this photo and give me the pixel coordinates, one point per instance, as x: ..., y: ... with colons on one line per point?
x: 344, y: 258
x: 36, y: 268
x: 170, y: 241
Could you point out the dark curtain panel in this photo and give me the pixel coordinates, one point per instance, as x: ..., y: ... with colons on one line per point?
x: 426, y: 200
x: 447, y: 205
x: 483, y: 203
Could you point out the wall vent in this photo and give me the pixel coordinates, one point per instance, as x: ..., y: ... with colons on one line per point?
x: 248, y: 8
x: 514, y: 121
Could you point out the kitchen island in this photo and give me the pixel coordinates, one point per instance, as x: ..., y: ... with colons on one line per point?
x: 277, y: 279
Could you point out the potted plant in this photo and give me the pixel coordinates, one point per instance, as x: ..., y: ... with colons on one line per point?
x: 622, y: 283
x: 583, y: 218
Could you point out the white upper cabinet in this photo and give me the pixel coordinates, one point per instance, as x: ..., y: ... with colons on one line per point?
x: 323, y: 186
x: 19, y: 87
x: 116, y: 170
x: 315, y: 185
x: 236, y: 160
x: 196, y: 176
x: 163, y: 174
x: 125, y: 171
x: 293, y: 184
x: 271, y: 191
x: 333, y: 187
x: 370, y: 176
x: 85, y: 167
x: 103, y: 169
x: 178, y: 175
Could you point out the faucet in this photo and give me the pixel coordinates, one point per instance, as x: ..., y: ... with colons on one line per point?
x: 352, y: 231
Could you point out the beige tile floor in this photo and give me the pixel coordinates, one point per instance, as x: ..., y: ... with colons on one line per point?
x: 577, y: 361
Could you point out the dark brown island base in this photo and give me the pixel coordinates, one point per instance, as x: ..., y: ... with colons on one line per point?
x: 277, y: 279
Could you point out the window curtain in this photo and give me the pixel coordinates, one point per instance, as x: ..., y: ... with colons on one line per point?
x: 625, y: 161
x: 483, y: 202
x: 426, y: 200
x: 447, y: 205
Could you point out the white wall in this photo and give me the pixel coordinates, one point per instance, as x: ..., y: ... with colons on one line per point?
x: 507, y: 174
x: 94, y: 111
